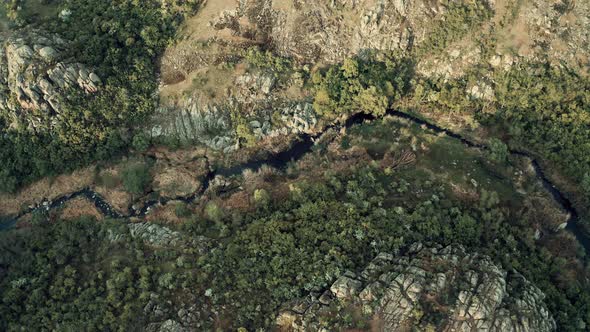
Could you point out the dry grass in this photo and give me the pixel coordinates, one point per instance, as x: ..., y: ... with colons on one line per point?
x: 208, y: 84
x: 165, y: 214
x: 113, y: 192
x: 47, y: 188
x: 77, y: 208
x: 198, y: 26
x: 176, y: 181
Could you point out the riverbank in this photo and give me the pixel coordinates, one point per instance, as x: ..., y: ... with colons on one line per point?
x: 300, y: 148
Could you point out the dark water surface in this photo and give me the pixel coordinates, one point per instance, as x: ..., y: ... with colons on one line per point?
x: 302, y: 146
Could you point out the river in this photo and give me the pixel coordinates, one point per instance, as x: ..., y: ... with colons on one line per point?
x: 302, y: 146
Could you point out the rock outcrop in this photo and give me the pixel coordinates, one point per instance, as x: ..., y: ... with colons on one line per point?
x: 34, y: 75
x: 441, y: 288
x: 212, y: 125
x: 160, y: 236
x: 193, y: 121
x: 330, y: 30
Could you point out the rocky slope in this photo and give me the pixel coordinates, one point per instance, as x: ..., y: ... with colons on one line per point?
x: 204, y: 75
x: 428, y: 289
x: 36, y: 75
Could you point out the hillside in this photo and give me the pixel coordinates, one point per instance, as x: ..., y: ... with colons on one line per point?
x: 326, y: 165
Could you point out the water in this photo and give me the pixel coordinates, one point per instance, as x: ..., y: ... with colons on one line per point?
x: 303, y: 146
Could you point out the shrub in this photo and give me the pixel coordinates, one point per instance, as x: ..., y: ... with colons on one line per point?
x: 268, y: 62
x: 136, y: 178
x: 261, y: 197
x: 181, y: 210
x: 214, y: 212
x: 141, y: 142
x: 586, y: 184
x: 369, y: 86
x: 498, y: 150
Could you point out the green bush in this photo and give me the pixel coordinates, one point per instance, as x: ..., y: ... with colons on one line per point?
x: 141, y: 142
x: 498, y: 150
x: 214, y: 212
x: 267, y: 61
x: 261, y: 197
x: 182, y: 210
x: 586, y: 184
x: 368, y: 86
x: 137, y: 177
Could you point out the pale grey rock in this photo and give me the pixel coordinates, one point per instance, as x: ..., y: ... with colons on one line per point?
x: 253, y: 86
x: 194, y: 122
x: 477, y: 295
x: 34, y: 70
x: 482, y: 91
x: 172, y: 326
x: 160, y: 236
x: 346, y: 286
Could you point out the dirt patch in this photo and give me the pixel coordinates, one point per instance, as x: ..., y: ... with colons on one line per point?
x: 199, y: 25
x: 516, y: 38
x: 240, y: 201
x: 166, y: 214
x: 176, y: 181
x: 208, y: 84
x: 79, y: 207
x: 179, y: 156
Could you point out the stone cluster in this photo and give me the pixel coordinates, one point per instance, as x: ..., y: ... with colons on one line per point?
x: 160, y: 236
x: 211, y: 125
x: 34, y: 75
x: 460, y: 291
x: 329, y: 30
x: 207, y: 124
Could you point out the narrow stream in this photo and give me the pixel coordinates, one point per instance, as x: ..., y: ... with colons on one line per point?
x: 303, y: 146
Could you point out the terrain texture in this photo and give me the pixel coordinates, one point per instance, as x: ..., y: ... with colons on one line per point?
x: 295, y: 165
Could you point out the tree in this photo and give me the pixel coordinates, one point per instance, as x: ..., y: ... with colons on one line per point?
x: 586, y: 184
x: 498, y: 150
x: 136, y: 177
x: 141, y: 142
x: 214, y: 212
x: 371, y: 101
x: 261, y: 197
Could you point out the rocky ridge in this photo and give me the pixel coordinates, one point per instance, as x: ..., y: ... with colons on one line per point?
x: 35, y: 73
x: 161, y: 236
x: 331, y: 31
x: 428, y: 288
x: 212, y: 124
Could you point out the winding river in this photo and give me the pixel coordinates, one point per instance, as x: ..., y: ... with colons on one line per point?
x: 298, y: 150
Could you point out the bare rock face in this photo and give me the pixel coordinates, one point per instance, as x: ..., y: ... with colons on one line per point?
x: 35, y: 74
x: 192, y: 120
x: 426, y: 289
x: 212, y: 125
x: 330, y: 30
x: 554, y: 30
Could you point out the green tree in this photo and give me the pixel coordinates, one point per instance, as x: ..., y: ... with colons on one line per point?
x: 261, y: 197
x: 586, y: 184
x: 136, y: 177
x: 214, y: 212
x: 141, y: 142
x: 498, y: 150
